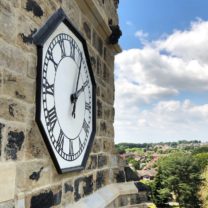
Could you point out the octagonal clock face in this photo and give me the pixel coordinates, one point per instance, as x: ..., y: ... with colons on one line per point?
x: 66, y: 104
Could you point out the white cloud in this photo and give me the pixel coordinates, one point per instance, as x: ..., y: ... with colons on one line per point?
x: 142, y: 36
x: 162, y: 69
x: 129, y: 23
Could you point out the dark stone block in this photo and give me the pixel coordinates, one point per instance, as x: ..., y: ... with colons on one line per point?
x: 103, y: 127
x: 87, y: 188
x: 120, y: 177
x: 130, y: 174
x: 123, y: 201
x: 43, y: 200
x: 36, y: 175
x: 57, y: 198
x: 102, y: 160
x: 99, y: 109
x: 1, y: 127
x: 93, y: 162
x: 32, y: 5
x: 99, y: 66
x: 134, y: 199
x: 87, y: 30
x: 27, y: 39
x: 106, y: 74
x: 46, y: 200
x: 15, y: 141
x: 68, y: 188
x: 100, y: 179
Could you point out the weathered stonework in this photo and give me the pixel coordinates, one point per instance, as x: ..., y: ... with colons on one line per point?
x: 28, y: 178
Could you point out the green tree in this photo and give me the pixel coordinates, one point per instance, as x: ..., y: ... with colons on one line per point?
x: 179, y: 173
x: 134, y: 163
x: 160, y: 194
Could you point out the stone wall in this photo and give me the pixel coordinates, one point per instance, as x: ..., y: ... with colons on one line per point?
x: 28, y: 177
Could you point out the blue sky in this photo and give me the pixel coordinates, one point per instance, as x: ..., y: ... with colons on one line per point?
x: 157, y: 17
x: 162, y: 74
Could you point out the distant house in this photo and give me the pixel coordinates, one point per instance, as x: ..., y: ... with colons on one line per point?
x: 148, y: 174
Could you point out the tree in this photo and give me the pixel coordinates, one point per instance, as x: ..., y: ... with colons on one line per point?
x: 179, y: 173
x: 160, y: 194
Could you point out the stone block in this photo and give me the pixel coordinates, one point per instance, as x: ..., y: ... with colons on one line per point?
x: 32, y: 174
x: 102, y: 160
x: 123, y: 201
x: 102, y: 178
x: 13, y: 110
x: 8, y: 204
x: 92, y: 162
x: 108, y: 145
x: 45, y: 198
x: 13, y: 149
x: 7, y: 22
x: 97, y: 42
x: 7, y: 181
x: 99, y: 67
x: 73, y: 12
x: 35, y: 146
x: 1, y: 135
x: 25, y: 32
x: 97, y: 145
x: 83, y: 186
x: 12, y: 58
x: 32, y: 66
x: 105, y: 129
x: 99, y: 109
x: 68, y: 193
x: 18, y: 86
x: 86, y: 28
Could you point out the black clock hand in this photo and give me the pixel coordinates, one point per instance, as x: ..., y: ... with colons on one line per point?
x: 75, y: 96
x: 74, y: 100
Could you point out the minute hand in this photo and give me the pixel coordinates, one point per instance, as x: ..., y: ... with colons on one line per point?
x: 81, y: 89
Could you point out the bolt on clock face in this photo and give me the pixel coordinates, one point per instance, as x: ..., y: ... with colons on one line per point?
x: 66, y: 114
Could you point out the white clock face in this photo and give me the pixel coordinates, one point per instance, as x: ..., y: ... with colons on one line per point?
x: 66, y: 97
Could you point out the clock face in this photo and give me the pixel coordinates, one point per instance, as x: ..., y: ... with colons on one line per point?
x: 66, y: 98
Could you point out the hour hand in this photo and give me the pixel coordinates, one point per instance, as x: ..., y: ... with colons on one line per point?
x: 75, y: 95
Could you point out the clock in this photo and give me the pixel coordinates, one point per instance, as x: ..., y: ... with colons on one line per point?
x: 65, y: 95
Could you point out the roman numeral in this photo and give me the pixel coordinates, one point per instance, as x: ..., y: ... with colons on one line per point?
x: 80, y: 144
x: 80, y: 60
x: 49, y: 89
x: 87, y: 106
x: 50, y: 57
x: 72, y: 49
x: 85, y: 126
x: 51, y: 118
x: 61, y: 44
x: 60, y: 141
x: 71, y: 150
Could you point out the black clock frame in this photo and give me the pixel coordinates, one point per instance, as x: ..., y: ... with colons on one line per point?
x: 39, y: 39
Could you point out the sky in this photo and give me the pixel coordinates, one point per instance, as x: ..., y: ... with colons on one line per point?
x: 161, y: 76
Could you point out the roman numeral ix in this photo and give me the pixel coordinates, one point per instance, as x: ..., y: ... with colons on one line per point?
x: 49, y: 89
